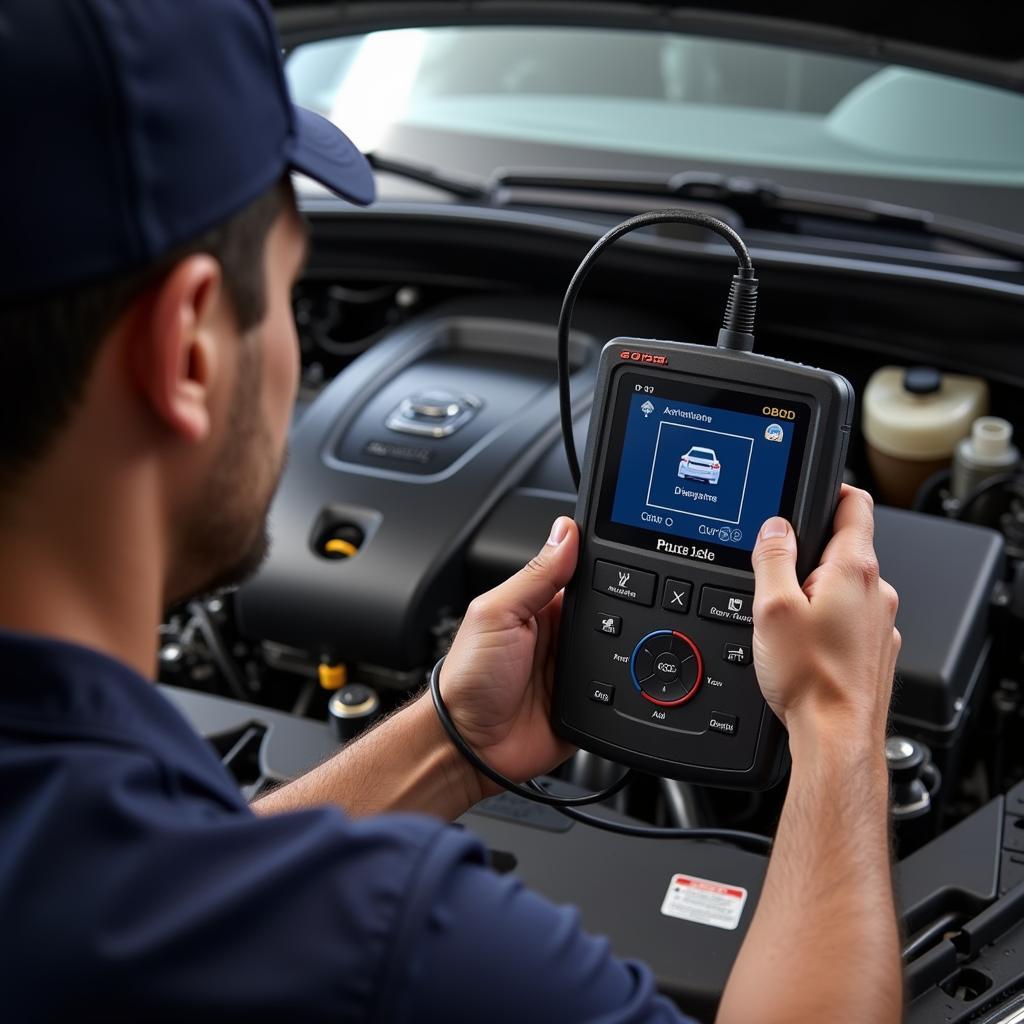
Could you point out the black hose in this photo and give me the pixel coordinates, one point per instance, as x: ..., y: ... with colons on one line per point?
x: 222, y: 659
x: 926, y: 492
x: 993, y: 483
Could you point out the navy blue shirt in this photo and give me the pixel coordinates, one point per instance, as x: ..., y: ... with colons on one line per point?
x: 136, y: 884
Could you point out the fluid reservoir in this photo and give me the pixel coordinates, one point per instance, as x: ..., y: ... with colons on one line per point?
x: 912, y: 419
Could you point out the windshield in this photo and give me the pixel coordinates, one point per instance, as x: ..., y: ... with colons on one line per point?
x: 475, y: 99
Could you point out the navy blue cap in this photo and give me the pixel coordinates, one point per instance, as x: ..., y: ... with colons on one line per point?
x: 132, y: 126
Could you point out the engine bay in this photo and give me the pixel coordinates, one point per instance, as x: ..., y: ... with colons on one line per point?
x: 425, y: 466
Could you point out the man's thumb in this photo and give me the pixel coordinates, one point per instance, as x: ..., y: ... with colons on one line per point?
x: 774, y: 561
x: 545, y: 574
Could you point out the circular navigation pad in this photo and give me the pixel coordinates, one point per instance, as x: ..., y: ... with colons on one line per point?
x: 666, y: 667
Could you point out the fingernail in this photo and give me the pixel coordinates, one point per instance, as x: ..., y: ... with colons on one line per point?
x: 775, y: 527
x: 559, y: 528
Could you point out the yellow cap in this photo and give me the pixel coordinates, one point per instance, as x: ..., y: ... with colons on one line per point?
x: 337, y: 546
x: 333, y: 677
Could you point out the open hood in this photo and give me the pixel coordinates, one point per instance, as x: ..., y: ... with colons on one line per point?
x: 975, y: 42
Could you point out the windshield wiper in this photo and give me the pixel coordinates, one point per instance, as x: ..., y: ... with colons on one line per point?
x: 462, y: 188
x: 761, y: 204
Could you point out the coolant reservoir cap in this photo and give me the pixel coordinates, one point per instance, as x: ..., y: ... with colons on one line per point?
x: 920, y: 413
x: 922, y: 380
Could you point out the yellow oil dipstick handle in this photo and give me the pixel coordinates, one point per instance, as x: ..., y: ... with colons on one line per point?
x: 337, y: 546
x: 332, y: 676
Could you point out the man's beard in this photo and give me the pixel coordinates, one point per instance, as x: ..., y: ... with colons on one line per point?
x: 227, y: 538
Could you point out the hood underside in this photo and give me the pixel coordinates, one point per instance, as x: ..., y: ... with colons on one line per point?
x: 975, y: 43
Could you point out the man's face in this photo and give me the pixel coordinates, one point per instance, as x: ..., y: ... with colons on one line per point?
x: 225, y: 537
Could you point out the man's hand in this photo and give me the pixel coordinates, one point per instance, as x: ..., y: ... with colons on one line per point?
x: 498, y: 676
x: 496, y: 682
x: 826, y: 652
x: 825, y: 655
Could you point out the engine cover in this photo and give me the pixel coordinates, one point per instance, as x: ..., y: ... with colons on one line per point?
x: 392, y: 469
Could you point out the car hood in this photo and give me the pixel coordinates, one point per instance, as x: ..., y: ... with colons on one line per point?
x: 978, y: 46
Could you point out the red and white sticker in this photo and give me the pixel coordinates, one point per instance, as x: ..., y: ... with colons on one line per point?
x: 704, y: 902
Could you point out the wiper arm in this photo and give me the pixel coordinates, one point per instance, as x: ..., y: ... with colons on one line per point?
x: 459, y: 187
x: 762, y: 204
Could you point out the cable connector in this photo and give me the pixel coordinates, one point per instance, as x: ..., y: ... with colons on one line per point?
x: 737, y: 331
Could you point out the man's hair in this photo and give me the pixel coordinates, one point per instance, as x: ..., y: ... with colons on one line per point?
x: 49, y: 345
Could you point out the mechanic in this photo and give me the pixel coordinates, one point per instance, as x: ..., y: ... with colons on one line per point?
x: 148, y: 365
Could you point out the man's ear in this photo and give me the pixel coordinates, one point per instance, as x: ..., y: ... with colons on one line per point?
x: 173, y: 344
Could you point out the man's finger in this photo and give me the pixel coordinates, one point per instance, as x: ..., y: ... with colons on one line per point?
x: 533, y: 587
x: 774, y: 562
x: 852, y: 542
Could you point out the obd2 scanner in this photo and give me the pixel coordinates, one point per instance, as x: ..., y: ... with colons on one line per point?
x: 690, y: 449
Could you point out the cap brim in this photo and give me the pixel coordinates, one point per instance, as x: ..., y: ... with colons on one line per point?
x: 323, y: 152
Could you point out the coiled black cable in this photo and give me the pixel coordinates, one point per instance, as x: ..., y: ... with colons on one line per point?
x: 567, y: 805
x: 535, y: 793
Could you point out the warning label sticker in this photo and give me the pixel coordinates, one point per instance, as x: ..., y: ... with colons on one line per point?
x: 704, y: 902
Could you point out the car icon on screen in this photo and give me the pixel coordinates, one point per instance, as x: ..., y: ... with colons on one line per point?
x: 700, y: 464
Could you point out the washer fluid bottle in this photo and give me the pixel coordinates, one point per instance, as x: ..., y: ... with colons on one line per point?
x: 912, y: 420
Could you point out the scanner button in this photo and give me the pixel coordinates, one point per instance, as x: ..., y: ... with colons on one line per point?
x: 610, y: 625
x: 725, y: 724
x: 676, y: 596
x: 624, y: 583
x: 602, y: 693
x: 666, y: 667
x: 680, y: 648
x: 731, y: 606
x: 736, y: 654
x: 666, y: 693
x: 659, y: 642
x: 643, y: 664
